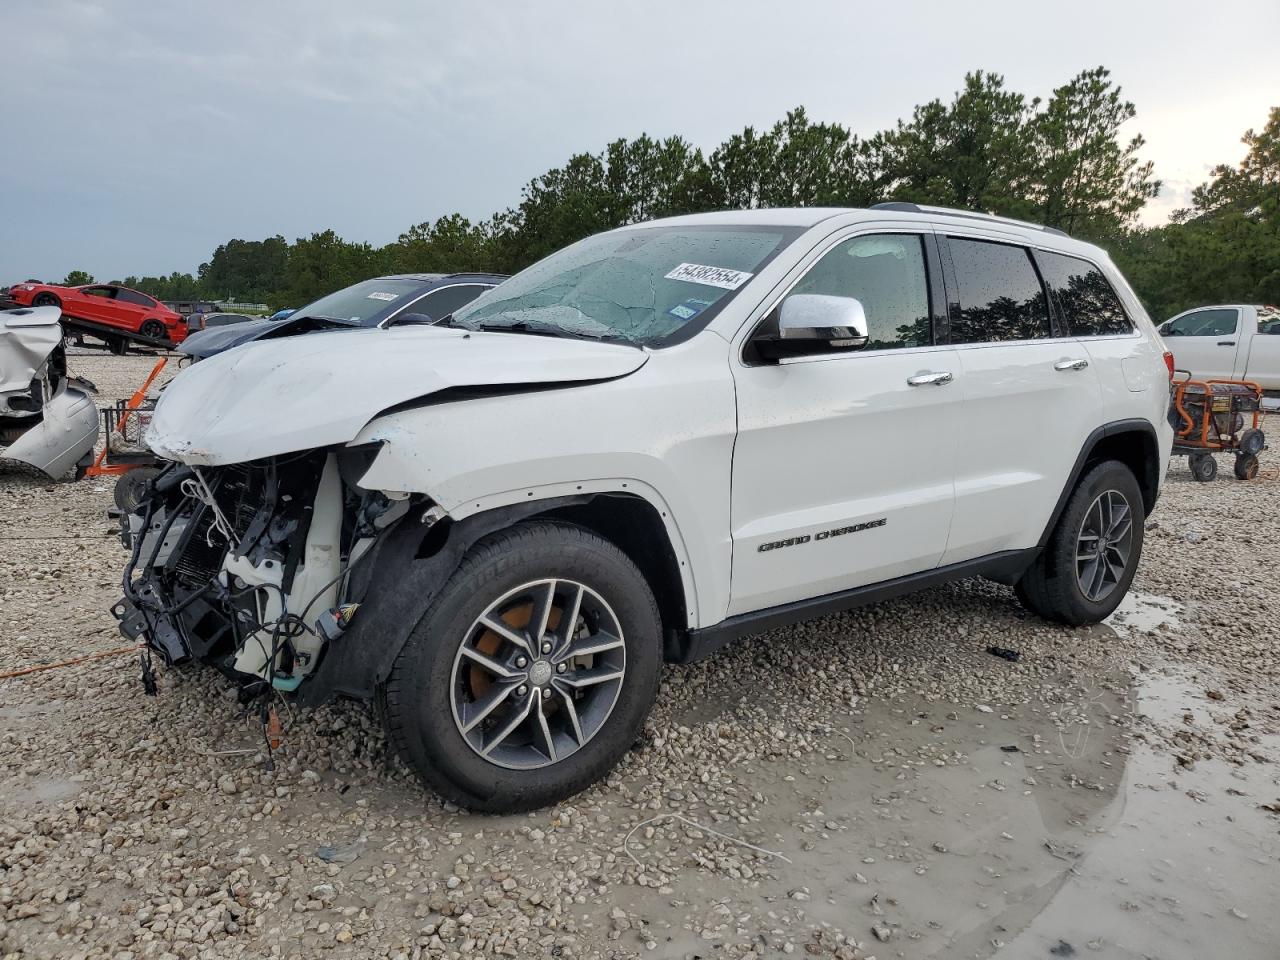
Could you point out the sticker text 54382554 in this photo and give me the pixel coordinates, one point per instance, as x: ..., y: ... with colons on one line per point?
x: 721, y: 277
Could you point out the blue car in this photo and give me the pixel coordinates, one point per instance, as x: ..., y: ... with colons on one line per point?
x: 424, y: 297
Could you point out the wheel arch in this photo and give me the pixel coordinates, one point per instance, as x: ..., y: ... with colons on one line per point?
x: 413, y: 560
x: 1134, y: 443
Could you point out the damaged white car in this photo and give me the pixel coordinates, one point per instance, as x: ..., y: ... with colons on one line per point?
x: 653, y: 441
x: 47, y: 418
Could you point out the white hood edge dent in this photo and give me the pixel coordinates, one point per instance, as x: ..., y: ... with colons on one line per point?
x: 282, y: 396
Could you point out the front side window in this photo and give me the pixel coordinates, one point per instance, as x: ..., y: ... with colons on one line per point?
x: 440, y: 303
x: 105, y: 292
x: 364, y: 304
x: 1089, y: 304
x: 650, y: 286
x: 1203, y: 323
x: 999, y: 294
x: 886, y: 274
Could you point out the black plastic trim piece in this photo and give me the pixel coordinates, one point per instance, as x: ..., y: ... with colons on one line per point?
x: 1005, y: 567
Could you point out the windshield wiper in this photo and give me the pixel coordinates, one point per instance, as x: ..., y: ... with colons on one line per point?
x: 549, y: 330
x: 318, y: 316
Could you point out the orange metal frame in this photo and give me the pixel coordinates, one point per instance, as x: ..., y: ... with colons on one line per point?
x: 100, y: 467
x: 1207, y: 427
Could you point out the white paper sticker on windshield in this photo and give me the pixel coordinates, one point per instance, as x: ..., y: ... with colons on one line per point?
x: 711, y: 276
x: 379, y: 295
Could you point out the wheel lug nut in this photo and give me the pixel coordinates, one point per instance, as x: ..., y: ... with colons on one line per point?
x: 521, y: 690
x: 522, y: 662
x: 561, y: 667
x: 546, y: 646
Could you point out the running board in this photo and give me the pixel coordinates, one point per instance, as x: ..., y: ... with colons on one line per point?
x: 1004, y: 567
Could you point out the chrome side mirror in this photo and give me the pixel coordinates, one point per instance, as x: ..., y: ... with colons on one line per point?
x: 838, y: 322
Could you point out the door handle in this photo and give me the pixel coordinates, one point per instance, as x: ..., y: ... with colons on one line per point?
x: 935, y: 377
x: 1077, y: 364
x: 1226, y: 343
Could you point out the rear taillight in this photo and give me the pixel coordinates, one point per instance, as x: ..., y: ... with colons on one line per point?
x: 1168, y: 362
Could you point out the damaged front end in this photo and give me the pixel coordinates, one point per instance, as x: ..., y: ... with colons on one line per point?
x: 246, y: 567
x: 47, y: 417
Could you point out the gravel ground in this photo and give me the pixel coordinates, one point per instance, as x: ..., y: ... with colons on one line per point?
x: 873, y: 784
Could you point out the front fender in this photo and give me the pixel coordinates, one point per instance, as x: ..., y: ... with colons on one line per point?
x: 664, y: 434
x: 395, y: 588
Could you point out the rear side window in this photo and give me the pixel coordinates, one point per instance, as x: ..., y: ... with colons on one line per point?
x: 138, y: 299
x: 886, y: 273
x: 1202, y: 323
x: 999, y: 294
x: 1088, y: 301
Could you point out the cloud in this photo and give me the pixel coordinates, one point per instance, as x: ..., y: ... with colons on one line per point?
x: 142, y: 133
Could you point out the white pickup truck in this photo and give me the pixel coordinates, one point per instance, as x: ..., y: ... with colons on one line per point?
x: 1233, y: 342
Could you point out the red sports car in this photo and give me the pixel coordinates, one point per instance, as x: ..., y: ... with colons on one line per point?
x: 107, y: 305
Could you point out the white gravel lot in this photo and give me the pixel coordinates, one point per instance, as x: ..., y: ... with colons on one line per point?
x: 872, y: 784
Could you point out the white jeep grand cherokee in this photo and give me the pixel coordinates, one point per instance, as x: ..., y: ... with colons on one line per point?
x: 656, y: 440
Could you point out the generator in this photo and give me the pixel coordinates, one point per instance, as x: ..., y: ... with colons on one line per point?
x: 1210, y: 416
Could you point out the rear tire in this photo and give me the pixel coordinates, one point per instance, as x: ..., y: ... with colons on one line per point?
x: 119, y: 346
x: 155, y: 330
x: 1093, y: 552
x: 438, y: 687
x: 1203, y: 467
x: 1246, y: 466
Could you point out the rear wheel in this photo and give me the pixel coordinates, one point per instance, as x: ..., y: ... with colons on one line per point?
x: 118, y: 345
x: 532, y: 672
x: 46, y: 300
x: 154, y: 329
x: 1246, y: 466
x: 1203, y: 467
x: 1093, y: 552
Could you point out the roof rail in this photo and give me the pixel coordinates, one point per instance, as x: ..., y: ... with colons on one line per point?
x: 904, y: 207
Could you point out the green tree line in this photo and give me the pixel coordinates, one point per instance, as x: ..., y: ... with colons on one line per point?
x: 1062, y: 161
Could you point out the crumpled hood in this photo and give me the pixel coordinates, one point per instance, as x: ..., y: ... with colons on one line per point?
x: 27, y: 337
x: 298, y: 393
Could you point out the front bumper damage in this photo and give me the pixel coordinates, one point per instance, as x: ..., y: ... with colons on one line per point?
x: 239, y: 566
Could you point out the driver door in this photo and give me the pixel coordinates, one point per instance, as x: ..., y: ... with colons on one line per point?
x: 1204, y: 341
x: 842, y: 468
x: 99, y: 305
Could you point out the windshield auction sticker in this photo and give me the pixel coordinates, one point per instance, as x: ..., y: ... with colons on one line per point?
x: 380, y: 295
x: 721, y: 277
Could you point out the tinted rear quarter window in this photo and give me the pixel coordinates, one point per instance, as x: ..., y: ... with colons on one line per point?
x: 999, y: 293
x: 1086, y: 298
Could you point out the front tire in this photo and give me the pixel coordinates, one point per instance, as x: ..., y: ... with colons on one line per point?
x: 1093, y: 552
x: 499, y: 702
x: 46, y: 300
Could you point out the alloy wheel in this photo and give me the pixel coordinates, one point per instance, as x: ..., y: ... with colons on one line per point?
x: 537, y: 674
x: 1104, y: 545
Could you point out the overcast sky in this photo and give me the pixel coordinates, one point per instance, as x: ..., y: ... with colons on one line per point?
x: 139, y: 135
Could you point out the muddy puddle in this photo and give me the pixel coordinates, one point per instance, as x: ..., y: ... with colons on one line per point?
x: 941, y: 830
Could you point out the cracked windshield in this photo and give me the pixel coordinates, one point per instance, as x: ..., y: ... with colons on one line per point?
x: 640, y: 286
